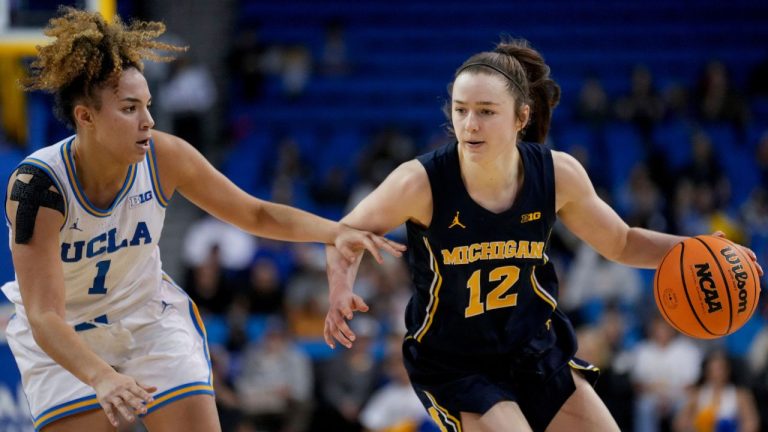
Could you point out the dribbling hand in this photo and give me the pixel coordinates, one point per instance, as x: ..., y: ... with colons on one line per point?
x: 750, y: 253
x: 118, y: 393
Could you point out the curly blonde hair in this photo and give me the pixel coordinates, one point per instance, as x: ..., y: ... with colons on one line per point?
x: 88, y: 53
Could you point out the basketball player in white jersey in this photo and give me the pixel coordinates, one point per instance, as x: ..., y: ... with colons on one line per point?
x: 100, y: 332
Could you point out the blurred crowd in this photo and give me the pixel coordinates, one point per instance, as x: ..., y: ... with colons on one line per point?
x: 265, y: 302
x: 685, y: 159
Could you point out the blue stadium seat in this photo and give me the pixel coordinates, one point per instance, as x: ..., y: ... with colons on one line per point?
x: 673, y: 140
x: 624, y: 149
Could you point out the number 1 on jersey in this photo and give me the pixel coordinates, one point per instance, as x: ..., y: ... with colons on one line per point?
x: 102, y: 267
x: 498, y: 297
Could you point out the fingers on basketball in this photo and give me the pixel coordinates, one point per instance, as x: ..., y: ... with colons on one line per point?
x: 707, y: 287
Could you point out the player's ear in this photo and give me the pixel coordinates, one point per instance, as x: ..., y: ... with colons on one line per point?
x: 83, y: 116
x: 523, y: 115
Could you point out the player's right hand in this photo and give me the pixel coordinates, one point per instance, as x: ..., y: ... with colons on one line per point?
x: 118, y: 393
x: 343, y: 304
x: 352, y: 242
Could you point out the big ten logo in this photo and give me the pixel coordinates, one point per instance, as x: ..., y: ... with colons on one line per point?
x: 139, y: 199
x: 528, y: 217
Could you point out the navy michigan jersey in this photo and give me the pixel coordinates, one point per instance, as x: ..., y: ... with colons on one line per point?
x: 483, y: 282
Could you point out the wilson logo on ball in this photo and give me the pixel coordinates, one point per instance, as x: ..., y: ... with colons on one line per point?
x: 708, y: 288
x: 739, y: 273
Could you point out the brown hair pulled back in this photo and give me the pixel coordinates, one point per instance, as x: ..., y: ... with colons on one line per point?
x: 532, y: 84
x: 87, y: 53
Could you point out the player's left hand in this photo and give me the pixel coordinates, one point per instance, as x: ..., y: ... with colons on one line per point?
x: 750, y: 253
x: 350, y: 242
x: 343, y: 305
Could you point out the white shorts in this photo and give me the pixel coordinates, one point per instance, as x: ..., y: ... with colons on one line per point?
x: 162, y: 344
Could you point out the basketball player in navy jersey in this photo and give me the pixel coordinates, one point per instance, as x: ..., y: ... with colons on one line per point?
x: 100, y: 332
x: 486, y: 348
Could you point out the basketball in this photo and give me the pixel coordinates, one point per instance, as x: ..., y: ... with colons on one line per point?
x: 706, y: 287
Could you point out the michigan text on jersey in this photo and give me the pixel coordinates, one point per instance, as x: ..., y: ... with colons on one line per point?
x: 493, y: 250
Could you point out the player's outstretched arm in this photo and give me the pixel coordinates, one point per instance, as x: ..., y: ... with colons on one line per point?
x: 184, y: 169
x: 585, y: 214
x: 404, y: 195
x: 36, y: 211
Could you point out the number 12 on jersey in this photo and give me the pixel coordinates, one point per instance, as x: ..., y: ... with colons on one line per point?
x: 498, y: 297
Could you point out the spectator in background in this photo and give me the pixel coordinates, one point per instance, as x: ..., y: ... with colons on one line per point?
x: 717, y: 403
x: 704, y: 166
x: 665, y: 365
x: 761, y: 157
x: 246, y: 63
x: 332, y: 191
x: 598, y: 345
x: 757, y: 359
x: 207, y: 286
x: 592, y: 107
x: 227, y: 401
x: 305, y: 303
x: 235, y: 247
x: 295, y: 70
x: 394, y: 407
x: 266, y: 292
x: 718, y: 100
x: 334, y: 59
x: 275, y: 385
x: 754, y: 214
x: 187, y: 98
x: 758, y: 85
x: 641, y: 200
x: 676, y: 103
x: 349, y: 378
x: 593, y: 279
x: 642, y: 106
x: 391, y: 291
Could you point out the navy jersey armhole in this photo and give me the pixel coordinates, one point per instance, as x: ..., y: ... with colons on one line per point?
x: 432, y: 164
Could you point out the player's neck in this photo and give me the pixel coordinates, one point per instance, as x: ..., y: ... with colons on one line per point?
x: 95, y: 170
x: 493, y: 173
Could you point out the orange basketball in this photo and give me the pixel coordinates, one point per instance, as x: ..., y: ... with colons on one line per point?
x: 706, y: 287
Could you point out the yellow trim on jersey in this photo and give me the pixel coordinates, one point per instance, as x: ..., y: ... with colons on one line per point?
x: 65, y: 409
x: 575, y: 365
x: 435, y: 416
x: 456, y: 426
x: 199, y: 320
x: 434, y: 292
x: 69, y: 163
x: 541, y: 292
x: 165, y: 397
x: 48, y: 170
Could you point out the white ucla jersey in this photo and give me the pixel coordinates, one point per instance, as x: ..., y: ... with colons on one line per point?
x: 110, y: 257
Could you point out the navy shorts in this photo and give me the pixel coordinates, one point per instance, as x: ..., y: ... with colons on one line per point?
x: 537, y: 377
